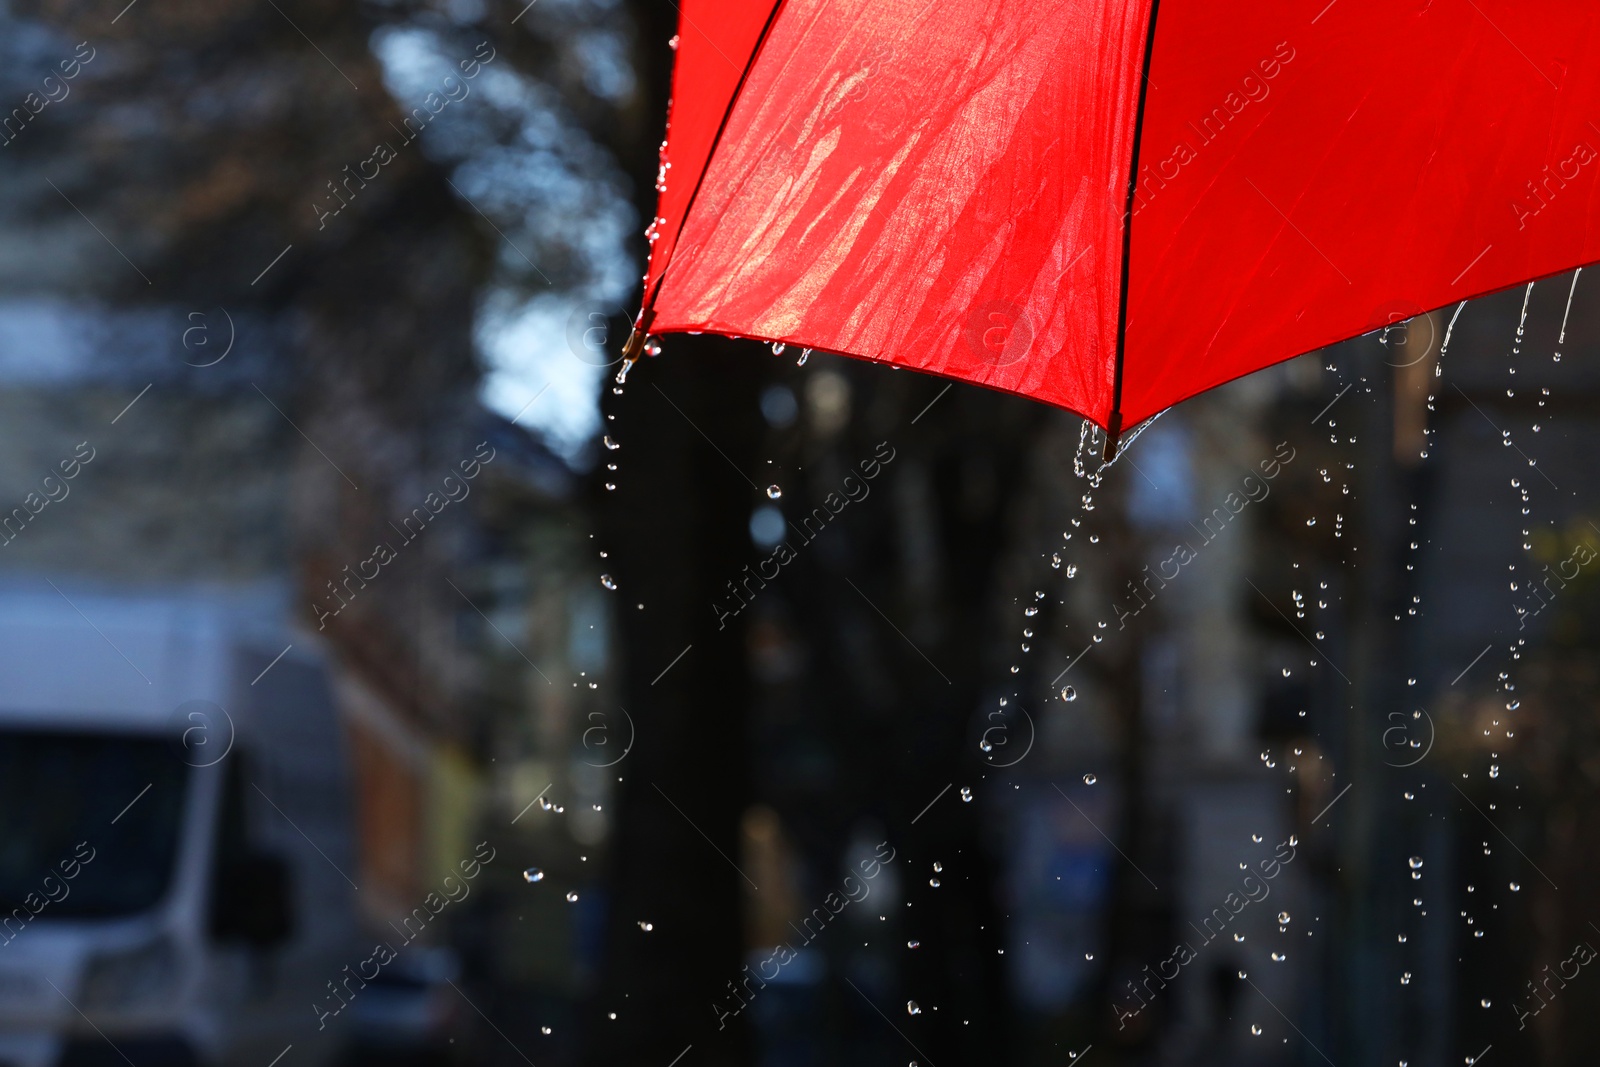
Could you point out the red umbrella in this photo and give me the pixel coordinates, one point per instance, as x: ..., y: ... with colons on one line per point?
x: 949, y: 185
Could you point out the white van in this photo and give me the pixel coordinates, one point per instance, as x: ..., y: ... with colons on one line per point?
x: 176, y: 850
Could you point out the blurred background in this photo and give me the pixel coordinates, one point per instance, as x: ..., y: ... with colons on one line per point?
x: 380, y: 680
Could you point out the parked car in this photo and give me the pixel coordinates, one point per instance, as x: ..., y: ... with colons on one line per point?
x: 176, y: 848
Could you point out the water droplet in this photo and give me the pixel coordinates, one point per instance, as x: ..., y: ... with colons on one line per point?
x: 1516, y: 887
x: 1494, y: 770
x: 1088, y: 955
x: 646, y: 927
x: 532, y: 874
x: 1072, y: 570
x: 544, y: 1030
x: 934, y: 882
x: 1279, y: 957
x: 1484, y: 1002
x: 609, y: 443
x: 778, y: 347
x: 913, y: 944
x: 913, y: 1008
x: 1415, y: 863
x: 966, y: 794
x: 805, y: 354
x: 1283, y: 918
x: 608, y: 581
x: 652, y: 346
x: 985, y: 746
x: 1030, y: 611
x: 1254, y: 1029
x: 1405, y: 979
x: 1068, y: 693
x: 1286, y: 672
x: 1090, y: 779
x: 773, y: 492
x: 938, y: 868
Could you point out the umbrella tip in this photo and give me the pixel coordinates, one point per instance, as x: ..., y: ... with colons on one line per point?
x: 635, y: 345
x: 1113, y: 435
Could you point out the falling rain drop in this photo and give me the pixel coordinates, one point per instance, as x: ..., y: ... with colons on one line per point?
x: 1090, y: 779
x: 778, y: 347
x: 652, y: 346
x: 609, y: 582
x: 966, y: 794
x: 532, y: 874
x: 934, y: 882
x: 773, y: 492
x: 1068, y: 693
x: 610, y: 444
x: 572, y: 897
x: 805, y: 354
x: 913, y: 1008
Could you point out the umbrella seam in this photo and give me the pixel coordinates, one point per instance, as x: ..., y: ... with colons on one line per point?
x: 1114, y: 421
x: 648, y: 303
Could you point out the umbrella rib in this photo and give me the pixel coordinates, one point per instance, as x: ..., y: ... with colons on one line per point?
x: 1114, y: 423
x: 716, y: 142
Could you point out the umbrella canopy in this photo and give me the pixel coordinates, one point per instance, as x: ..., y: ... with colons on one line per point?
x: 1112, y: 205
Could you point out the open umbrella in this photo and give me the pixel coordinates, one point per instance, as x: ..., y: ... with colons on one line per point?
x: 1112, y: 205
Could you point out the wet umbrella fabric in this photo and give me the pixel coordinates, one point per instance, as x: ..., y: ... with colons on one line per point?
x: 944, y: 184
